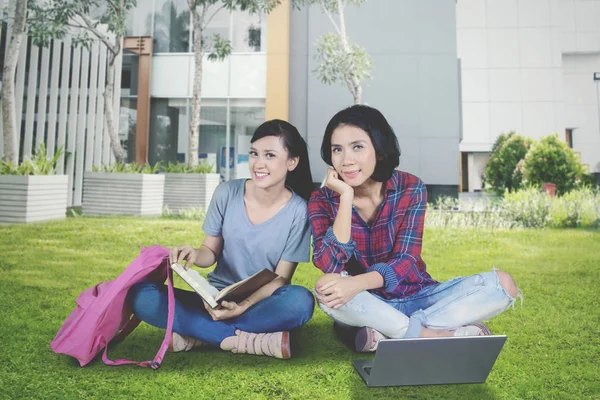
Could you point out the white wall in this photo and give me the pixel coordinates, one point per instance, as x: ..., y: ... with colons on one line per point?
x: 580, y: 27
x: 415, y: 81
x: 241, y: 75
x: 527, y: 65
x: 511, y: 69
x: 582, y: 105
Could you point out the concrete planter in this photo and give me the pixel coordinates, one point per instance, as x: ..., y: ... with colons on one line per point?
x: 183, y: 190
x: 33, y: 198
x: 106, y: 193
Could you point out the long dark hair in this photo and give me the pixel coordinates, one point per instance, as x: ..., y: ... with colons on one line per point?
x: 300, y: 179
x: 379, y: 130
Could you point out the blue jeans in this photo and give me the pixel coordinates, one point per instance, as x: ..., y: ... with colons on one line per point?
x: 287, y: 308
x: 447, y: 305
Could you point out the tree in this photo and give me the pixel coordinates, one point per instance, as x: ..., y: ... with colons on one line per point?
x: 9, y: 123
x: 217, y: 48
x: 551, y: 160
x: 504, y: 168
x: 54, y: 19
x: 340, y: 59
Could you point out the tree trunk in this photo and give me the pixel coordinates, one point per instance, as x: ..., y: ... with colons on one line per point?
x: 109, y: 104
x: 354, y: 83
x: 9, y: 122
x: 197, y: 89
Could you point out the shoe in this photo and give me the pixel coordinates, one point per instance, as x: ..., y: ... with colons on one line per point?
x: 366, y: 339
x: 183, y: 343
x: 276, y: 344
x: 477, y: 329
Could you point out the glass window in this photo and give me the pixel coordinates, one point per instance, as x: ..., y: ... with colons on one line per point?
x: 139, y: 19
x: 171, y: 26
x: 246, y: 116
x: 127, y: 125
x: 213, y: 129
x: 218, y: 21
x: 129, y: 74
x: 168, y: 119
x: 248, y: 31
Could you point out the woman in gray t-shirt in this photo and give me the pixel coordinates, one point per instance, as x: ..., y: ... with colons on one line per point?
x: 250, y: 224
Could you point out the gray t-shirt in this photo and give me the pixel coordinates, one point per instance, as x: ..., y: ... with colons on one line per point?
x: 249, y: 248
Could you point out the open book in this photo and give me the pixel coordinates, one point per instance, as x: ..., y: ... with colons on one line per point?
x: 237, y: 292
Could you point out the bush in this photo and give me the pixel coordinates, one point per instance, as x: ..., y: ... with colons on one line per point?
x: 529, y: 208
x: 132, y: 168
x: 203, y: 167
x: 503, y: 171
x: 39, y: 164
x: 578, y: 208
x: 194, y: 213
x: 552, y: 161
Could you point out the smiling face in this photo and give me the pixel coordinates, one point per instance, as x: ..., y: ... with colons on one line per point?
x: 269, y: 162
x: 352, y: 154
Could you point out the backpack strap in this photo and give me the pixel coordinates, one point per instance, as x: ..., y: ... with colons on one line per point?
x: 133, y: 323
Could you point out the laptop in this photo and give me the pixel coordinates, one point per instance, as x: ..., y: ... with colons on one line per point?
x: 431, y: 361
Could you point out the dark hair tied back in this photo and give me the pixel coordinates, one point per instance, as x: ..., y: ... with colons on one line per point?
x: 300, y: 179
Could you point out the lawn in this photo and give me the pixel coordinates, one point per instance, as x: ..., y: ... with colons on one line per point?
x: 552, y: 350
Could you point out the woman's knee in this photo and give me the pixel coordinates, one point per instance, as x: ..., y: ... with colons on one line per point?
x: 300, y: 302
x: 508, y: 283
x: 325, y: 278
x: 139, y: 293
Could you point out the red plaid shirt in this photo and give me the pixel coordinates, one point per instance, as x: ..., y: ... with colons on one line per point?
x: 391, y: 245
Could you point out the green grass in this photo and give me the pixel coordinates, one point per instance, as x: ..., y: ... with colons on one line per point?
x: 552, y: 349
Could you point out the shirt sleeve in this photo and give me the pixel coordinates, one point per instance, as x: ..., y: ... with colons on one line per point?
x: 213, y: 222
x: 329, y: 255
x: 297, y: 246
x: 408, y: 243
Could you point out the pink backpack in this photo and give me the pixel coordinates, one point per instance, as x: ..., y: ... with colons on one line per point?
x: 102, y: 315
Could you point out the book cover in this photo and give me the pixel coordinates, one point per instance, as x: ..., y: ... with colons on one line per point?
x: 241, y: 290
x: 237, y: 292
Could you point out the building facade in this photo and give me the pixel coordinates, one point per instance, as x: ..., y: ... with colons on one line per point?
x: 269, y: 75
x: 415, y: 82
x: 528, y: 66
x: 449, y: 75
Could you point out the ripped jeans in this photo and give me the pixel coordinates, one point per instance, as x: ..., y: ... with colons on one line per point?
x: 446, y: 305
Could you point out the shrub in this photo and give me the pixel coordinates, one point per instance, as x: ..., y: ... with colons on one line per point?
x: 578, y: 208
x: 552, y: 161
x: 39, y: 164
x: 132, y: 168
x: 503, y: 171
x: 194, y: 213
x: 203, y: 167
x: 529, y: 208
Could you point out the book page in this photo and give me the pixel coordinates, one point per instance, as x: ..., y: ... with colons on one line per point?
x: 198, y: 283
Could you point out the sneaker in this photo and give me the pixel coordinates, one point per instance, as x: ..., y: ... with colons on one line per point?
x: 367, y: 339
x: 275, y: 344
x: 477, y: 329
x: 183, y: 343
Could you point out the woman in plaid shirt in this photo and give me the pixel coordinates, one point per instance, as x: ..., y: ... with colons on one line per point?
x: 367, y: 225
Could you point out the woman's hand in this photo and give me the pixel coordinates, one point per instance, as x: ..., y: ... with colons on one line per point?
x: 334, y: 183
x: 339, y: 291
x: 226, y: 310
x: 180, y: 253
